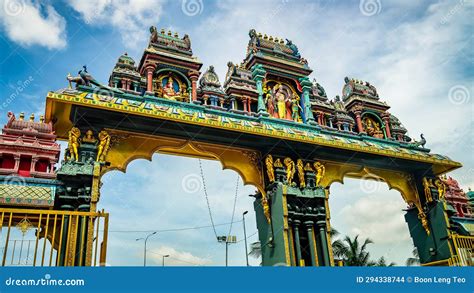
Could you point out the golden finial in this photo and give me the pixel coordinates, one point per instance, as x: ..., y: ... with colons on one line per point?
x: 271, y: 38
x: 32, y: 117
x: 265, y: 37
x: 176, y: 35
x: 162, y: 31
x: 22, y: 116
x: 281, y: 41
x: 259, y: 35
x: 42, y: 118
x: 169, y: 33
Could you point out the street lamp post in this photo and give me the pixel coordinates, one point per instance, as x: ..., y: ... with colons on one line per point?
x: 163, y: 263
x: 144, y: 249
x: 227, y: 240
x: 245, y: 238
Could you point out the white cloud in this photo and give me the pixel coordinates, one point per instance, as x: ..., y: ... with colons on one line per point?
x: 176, y: 258
x: 375, y: 217
x: 32, y: 23
x: 131, y: 18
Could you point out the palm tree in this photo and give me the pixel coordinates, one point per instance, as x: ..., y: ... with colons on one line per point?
x: 352, y: 252
x: 337, y: 245
x: 415, y: 260
x: 255, y: 249
x: 383, y: 263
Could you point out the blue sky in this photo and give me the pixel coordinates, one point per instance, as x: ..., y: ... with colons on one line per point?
x: 417, y: 53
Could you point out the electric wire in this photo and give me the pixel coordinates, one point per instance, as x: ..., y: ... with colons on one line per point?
x: 170, y: 230
x: 207, y: 199
x: 235, y: 203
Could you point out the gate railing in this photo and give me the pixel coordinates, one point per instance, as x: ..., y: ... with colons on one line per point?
x: 464, y: 250
x: 52, y: 238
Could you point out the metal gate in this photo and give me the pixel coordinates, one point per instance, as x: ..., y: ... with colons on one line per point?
x: 53, y: 238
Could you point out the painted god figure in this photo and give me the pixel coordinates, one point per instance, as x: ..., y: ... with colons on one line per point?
x: 295, y: 109
x: 373, y: 128
x: 269, y: 101
x: 168, y: 90
x: 282, y: 101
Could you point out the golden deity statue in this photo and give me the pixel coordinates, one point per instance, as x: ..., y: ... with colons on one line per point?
x: 320, y: 170
x: 104, y: 146
x: 424, y: 222
x: 290, y: 170
x: 441, y: 188
x: 300, y: 166
x: 74, y: 142
x: 270, y: 171
x: 427, y: 184
x: 89, y: 137
x: 168, y: 90
x: 266, y: 208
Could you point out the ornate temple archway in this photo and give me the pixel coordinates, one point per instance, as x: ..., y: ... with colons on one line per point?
x: 292, y: 157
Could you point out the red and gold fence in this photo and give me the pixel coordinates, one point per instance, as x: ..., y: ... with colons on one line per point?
x: 52, y: 238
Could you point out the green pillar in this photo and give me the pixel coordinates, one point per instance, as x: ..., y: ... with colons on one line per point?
x: 312, y: 245
x: 306, y: 85
x: 324, y: 247
x: 258, y: 74
x: 296, y: 229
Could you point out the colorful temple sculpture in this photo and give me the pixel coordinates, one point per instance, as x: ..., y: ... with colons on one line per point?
x: 268, y: 120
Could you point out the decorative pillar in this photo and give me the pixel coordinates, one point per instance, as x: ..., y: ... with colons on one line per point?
x: 358, y: 112
x: 51, y: 167
x: 149, y: 79
x: 232, y: 103
x: 194, y: 76
x: 249, y: 100
x: 244, y: 102
x: 124, y: 84
x: 386, y: 121
x: 312, y: 245
x: 17, y: 163
x: 306, y: 85
x: 34, y: 160
x: 205, y: 98
x: 296, y: 224
x: 258, y: 74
